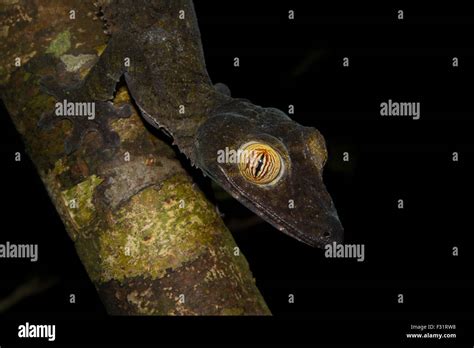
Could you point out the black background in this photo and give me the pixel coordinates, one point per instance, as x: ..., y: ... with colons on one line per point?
x: 299, y: 62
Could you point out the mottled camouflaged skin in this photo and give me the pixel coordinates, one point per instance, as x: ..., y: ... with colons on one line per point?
x: 167, y: 71
x: 313, y: 220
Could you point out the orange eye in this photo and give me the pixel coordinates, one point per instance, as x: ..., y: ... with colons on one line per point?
x: 259, y: 163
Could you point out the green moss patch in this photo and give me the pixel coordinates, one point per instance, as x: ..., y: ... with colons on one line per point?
x: 155, y: 232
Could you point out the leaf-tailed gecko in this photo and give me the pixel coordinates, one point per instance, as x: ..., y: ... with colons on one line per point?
x: 156, y: 47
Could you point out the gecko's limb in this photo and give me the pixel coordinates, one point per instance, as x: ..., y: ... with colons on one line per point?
x: 96, y: 91
x: 76, y: 98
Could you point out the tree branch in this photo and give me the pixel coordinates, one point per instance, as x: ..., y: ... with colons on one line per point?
x: 148, y: 238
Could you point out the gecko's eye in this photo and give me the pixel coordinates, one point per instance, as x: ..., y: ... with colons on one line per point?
x: 260, y: 163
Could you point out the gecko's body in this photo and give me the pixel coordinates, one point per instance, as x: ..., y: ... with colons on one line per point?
x: 156, y: 46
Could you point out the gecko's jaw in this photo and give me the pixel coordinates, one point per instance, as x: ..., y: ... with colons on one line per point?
x: 314, y: 229
x: 315, y: 222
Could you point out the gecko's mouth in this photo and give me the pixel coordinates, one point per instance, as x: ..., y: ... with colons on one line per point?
x: 325, y: 229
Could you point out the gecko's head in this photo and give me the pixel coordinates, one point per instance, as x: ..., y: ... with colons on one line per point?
x: 274, y: 167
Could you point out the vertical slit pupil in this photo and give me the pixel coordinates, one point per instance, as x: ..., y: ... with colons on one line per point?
x: 259, y: 164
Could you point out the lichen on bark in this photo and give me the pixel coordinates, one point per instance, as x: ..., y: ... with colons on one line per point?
x: 146, y: 242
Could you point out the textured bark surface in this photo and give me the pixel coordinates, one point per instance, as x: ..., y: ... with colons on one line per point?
x: 148, y: 238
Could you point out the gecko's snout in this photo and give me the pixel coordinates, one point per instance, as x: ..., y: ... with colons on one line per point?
x: 319, y: 232
x: 332, y: 229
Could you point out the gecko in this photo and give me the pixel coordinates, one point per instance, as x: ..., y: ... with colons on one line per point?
x: 155, y: 46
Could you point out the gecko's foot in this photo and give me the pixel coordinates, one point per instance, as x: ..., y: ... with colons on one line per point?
x: 86, y: 114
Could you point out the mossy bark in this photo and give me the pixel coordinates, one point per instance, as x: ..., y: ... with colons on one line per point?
x: 148, y: 238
